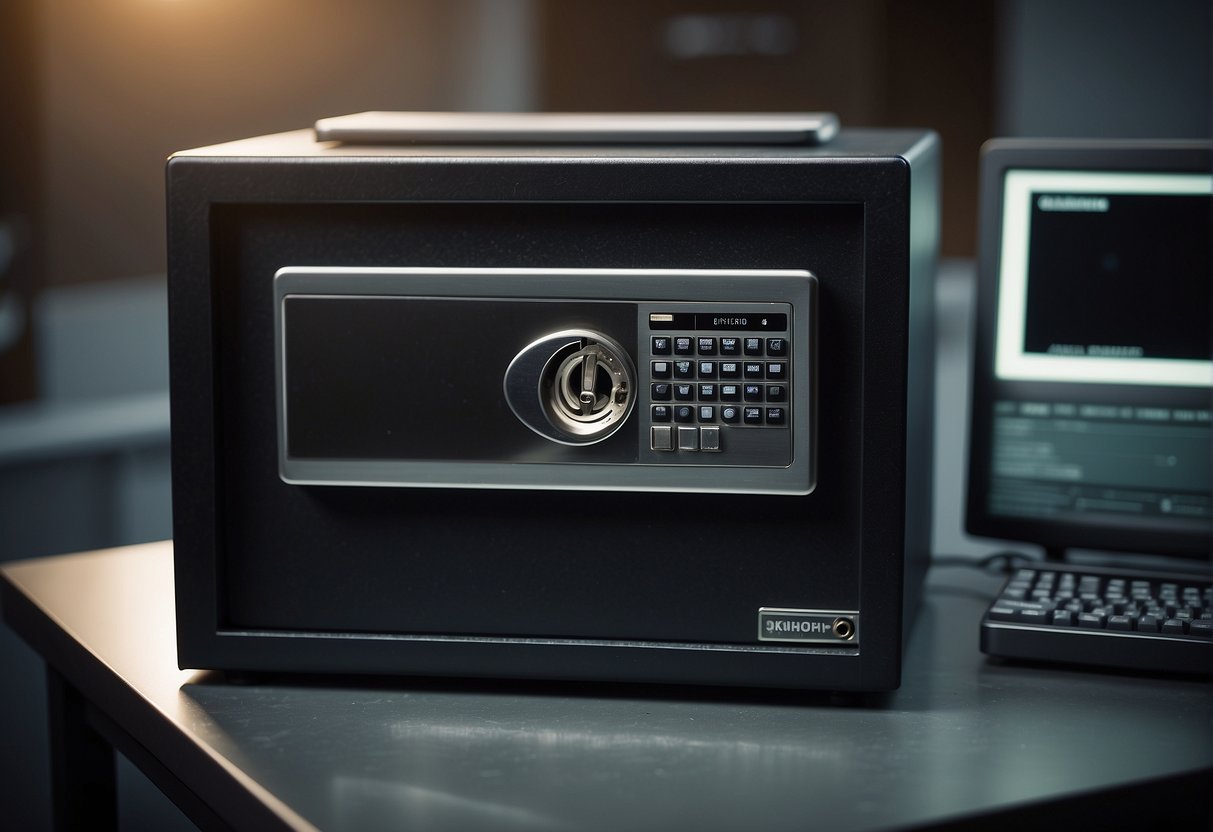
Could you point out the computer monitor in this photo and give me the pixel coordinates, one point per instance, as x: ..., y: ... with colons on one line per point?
x: 1090, y: 411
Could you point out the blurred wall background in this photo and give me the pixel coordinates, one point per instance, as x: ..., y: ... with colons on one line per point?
x: 96, y: 95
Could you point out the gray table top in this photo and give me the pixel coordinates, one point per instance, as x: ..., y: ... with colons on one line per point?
x: 962, y: 738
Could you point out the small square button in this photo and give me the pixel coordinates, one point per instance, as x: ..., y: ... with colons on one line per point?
x: 707, y: 392
x: 752, y: 392
x: 730, y: 345
x: 753, y: 346
x: 753, y: 369
x: 707, y: 346
x: 709, y: 439
x: 777, y: 416
x: 730, y: 369
x: 684, y: 369
x: 777, y: 347
x: 662, y: 438
x: 707, y: 413
x: 707, y: 369
x: 661, y: 345
x: 684, y: 345
x: 684, y: 392
x: 777, y: 370
x: 661, y: 369
x: 661, y: 391
x: 730, y: 414
x: 661, y: 413
x: 752, y: 415
x: 777, y: 393
x: 684, y: 413
x: 688, y: 439
x: 730, y: 392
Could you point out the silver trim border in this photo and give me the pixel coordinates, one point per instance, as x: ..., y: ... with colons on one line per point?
x: 792, y: 286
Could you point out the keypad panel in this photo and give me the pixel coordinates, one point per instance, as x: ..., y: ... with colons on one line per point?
x: 712, y: 389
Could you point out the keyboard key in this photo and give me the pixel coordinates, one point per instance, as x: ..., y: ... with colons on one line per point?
x: 1147, y: 624
x: 1174, y: 627
x: 707, y: 369
x: 1202, y: 627
x: 1062, y: 618
x: 1092, y: 620
x: 1120, y: 622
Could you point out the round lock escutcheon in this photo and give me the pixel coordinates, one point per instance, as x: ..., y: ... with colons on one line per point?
x: 574, y: 387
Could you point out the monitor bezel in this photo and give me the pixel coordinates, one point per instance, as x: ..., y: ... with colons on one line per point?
x: 1108, y: 534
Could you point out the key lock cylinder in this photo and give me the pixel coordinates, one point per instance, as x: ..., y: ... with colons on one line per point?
x: 575, y: 387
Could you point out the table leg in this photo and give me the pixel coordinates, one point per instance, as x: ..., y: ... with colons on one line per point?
x: 83, y: 785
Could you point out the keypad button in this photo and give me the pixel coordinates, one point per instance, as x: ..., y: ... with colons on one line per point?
x: 709, y: 439
x: 707, y: 392
x: 707, y: 369
x: 777, y: 393
x: 730, y: 369
x: 752, y: 392
x: 752, y: 369
x: 661, y: 413
x: 707, y: 346
x: 662, y: 438
x: 684, y: 413
x: 730, y: 414
x: 777, y: 370
x: 707, y: 413
x: 753, y: 346
x: 684, y: 345
x: 730, y: 392
x: 661, y: 391
x: 661, y: 345
x: 661, y: 369
x: 684, y: 369
x: 684, y: 392
x: 752, y: 415
x: 688, y: 439
x: 777, y: 416
x: 730, y: 346
x: 777, y: 347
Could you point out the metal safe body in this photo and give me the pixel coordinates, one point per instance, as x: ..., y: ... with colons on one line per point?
x: 641, y: 413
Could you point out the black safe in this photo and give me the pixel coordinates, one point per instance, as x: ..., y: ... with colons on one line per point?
x: 638, y: 412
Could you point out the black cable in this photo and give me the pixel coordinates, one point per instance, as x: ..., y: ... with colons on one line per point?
x: 1005, y: 561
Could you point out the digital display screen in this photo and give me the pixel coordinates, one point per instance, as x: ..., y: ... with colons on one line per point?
x: 723, y: 321
x: 1104, y: 278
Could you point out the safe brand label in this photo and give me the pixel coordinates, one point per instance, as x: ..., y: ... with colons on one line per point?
x: 808, y: 626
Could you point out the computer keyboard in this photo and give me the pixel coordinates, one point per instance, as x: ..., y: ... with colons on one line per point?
x: 1113, y: 618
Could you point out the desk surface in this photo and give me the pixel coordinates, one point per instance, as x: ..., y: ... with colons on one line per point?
x: 963, y: 738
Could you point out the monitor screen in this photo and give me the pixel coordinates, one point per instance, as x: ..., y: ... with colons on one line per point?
x: 1090, y: 419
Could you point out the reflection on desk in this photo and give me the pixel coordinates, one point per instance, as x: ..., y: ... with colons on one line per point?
x: 963, y: 739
